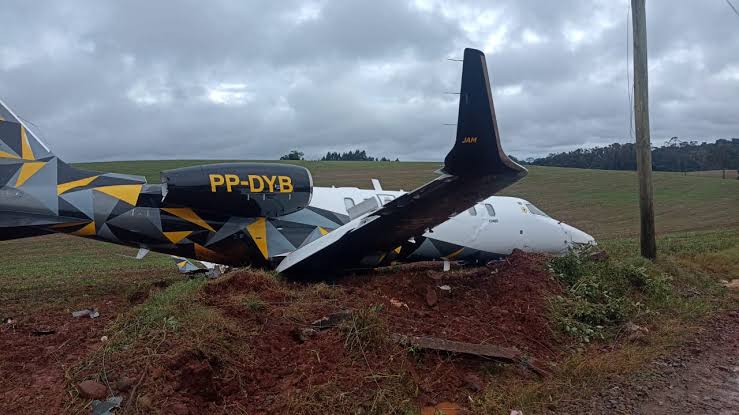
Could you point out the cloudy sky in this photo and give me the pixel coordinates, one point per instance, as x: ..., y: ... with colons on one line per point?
x: 254, y: 79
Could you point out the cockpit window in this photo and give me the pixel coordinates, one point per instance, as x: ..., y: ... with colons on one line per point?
x: 535, y: 210
x: 490, y: 209
x: 472, y: 211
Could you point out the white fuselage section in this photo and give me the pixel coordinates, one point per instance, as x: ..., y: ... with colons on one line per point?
x: 496, y: 225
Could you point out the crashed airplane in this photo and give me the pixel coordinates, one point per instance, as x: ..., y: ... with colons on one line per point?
x: 271, y: 215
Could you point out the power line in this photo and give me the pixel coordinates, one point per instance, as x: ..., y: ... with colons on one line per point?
x: 732, y: 7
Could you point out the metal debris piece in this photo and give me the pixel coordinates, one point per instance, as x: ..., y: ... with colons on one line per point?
x: 302, y: 334
x: 43, y: 332
x: 516, y: 412
x: 91, y: 312
x: 447, y: 265
x: 503, y: 354
x: 398, y: 303
x: 105, y: 407
x: 445, y: 288
x: 332, y: 320
x: 8, y: 320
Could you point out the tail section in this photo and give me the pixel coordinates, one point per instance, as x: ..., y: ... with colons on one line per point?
x: 39, y: 192
x: 477, y: 149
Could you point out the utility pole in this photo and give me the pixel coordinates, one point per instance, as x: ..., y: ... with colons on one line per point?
x: 641, y: 123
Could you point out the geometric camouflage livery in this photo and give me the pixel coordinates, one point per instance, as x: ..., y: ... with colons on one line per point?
x: 41, y: 194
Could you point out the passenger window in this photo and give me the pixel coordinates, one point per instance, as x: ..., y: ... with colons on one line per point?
x: 348, y: 202
x: 472, y: 211
x: 535, y: 210
x: 490, y: 209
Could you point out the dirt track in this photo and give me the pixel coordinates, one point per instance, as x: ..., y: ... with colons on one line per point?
x: 702, y: 377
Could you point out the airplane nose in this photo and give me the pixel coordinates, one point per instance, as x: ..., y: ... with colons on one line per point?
x: 578, y: 237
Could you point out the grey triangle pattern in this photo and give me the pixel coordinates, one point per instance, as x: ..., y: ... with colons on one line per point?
x: 132, y: 222
x: 81, y: 200
x: 103, y: 205
x: 308, y: 217
x: 312, y: 237
x: 105, y: 232
x: 42, y: 185
x: 231, y: 227
x: 276, y: 243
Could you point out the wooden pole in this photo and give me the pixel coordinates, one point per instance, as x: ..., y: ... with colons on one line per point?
x: 641, y: 123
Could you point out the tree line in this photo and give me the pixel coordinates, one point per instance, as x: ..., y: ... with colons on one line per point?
x: 675, y: 155
x: 355, y: 155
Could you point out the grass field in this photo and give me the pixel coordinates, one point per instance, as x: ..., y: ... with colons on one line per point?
x: 698, y: 246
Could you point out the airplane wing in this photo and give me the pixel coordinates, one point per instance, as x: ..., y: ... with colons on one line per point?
x: 474, y: 169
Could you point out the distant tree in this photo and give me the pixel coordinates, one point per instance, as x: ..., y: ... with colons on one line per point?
x: 294, y: 155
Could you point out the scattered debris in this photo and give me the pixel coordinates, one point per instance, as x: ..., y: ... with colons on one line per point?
x: 431, y: 297
x: 447, y: 266
x: 516, y: 412
x: 398, y: 303
x: 92, y: 312
x: 443, y: 408
x: 508, y: 355
x: 331, y: 320
x: 104, y: 339
x: 302, y: 334
x: 217, y: 271
x: 732, y: 285
x: 503, y: 354
x: 8, y: 320
x: 105, y: 407
x: 91, y: 389
x: 43, y: 332
x: 445, y: 288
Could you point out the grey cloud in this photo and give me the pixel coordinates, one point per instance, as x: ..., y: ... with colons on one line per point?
x: 132, y: 80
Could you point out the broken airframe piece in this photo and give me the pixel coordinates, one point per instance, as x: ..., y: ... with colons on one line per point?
x: 91, y: 312
x: 105, y: 407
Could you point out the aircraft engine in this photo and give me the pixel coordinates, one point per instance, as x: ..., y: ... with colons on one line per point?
x: 239, y: 189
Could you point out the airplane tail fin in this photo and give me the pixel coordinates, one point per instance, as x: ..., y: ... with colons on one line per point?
x: 477, y: 149
x: 17, y: 141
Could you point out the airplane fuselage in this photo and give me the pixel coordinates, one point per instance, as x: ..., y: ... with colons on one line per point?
x: 490, y: 229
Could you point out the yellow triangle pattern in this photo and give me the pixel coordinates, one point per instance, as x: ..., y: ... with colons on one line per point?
x: 190, y: 216
x: 258, y: 232
x: 26, y: 151
x: 128, y: 193
x: 5, y: 155
x: 87, y: 230
x: 176, y: 237
x: 28, y: 170
x: 64, y: 187
x: 323, y: 231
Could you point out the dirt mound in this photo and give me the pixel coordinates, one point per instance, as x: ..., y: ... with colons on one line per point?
x: 250, y: 346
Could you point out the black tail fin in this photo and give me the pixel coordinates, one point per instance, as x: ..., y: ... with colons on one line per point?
x: 477, y: 148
